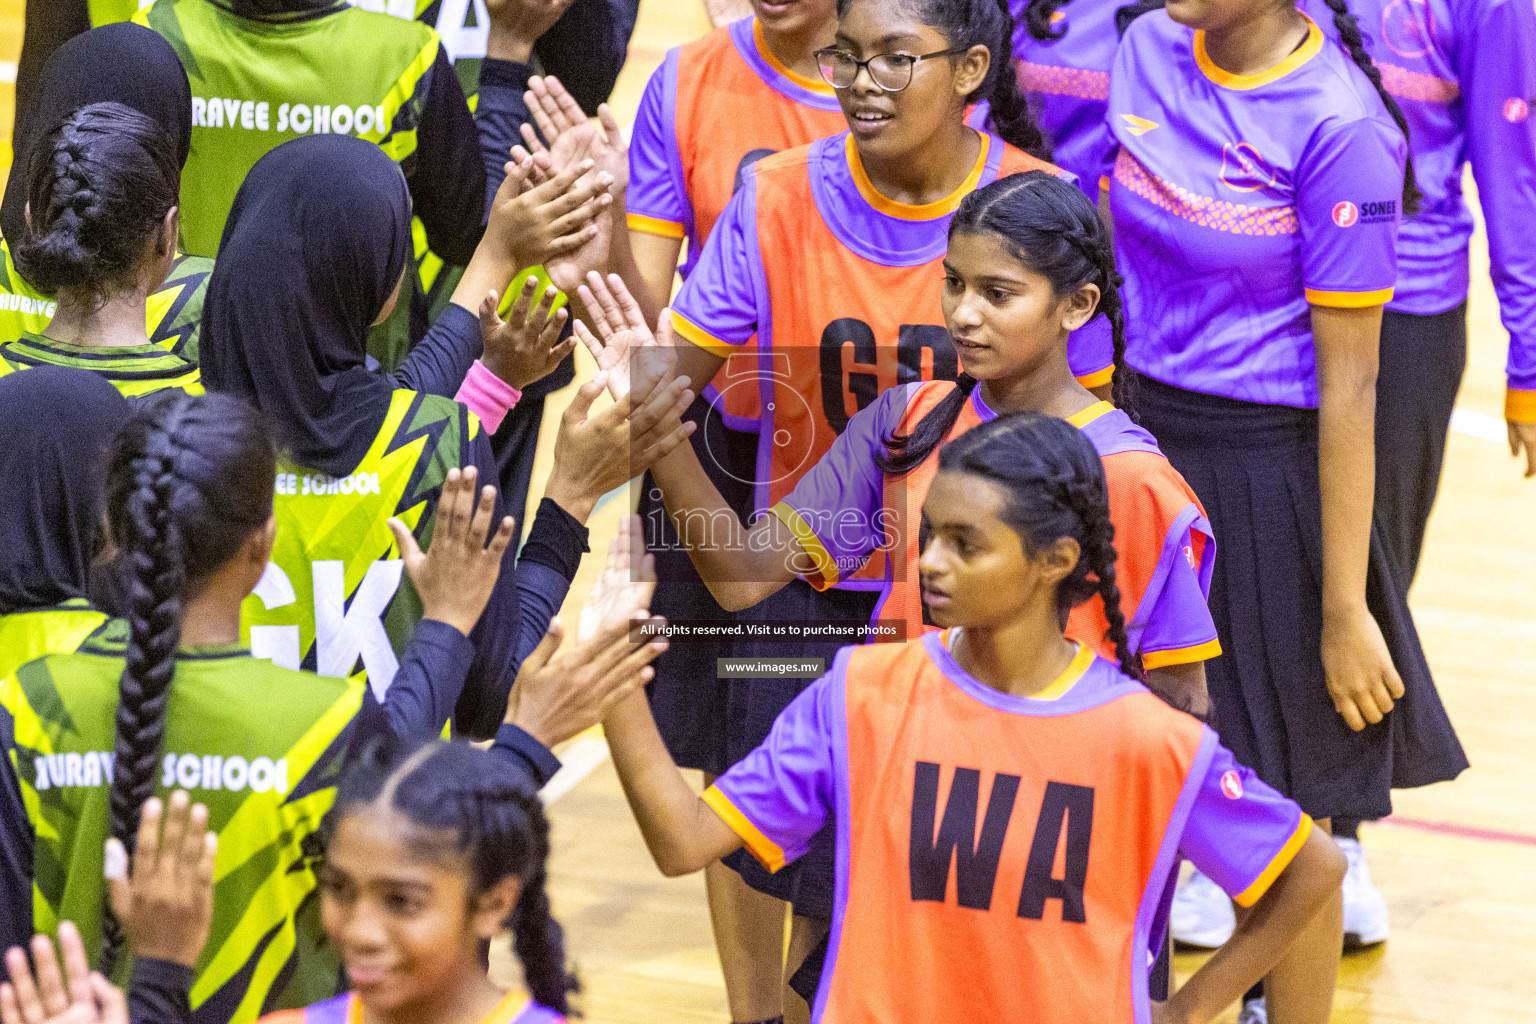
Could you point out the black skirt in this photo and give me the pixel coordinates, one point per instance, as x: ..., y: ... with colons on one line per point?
x: 691, y: 706
x: 1255, y: 470
x: 756, y: 703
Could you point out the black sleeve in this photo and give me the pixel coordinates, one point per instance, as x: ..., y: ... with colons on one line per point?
x: 483, y: 703
x: 500, y: 114
x: 526, y: 754
x: 438, y: 364
x: 159, y: 993
x: 49, y: 25
x: 16, y: 841
x: 447, y: 176
x: 545, y: 568
x: 586, y: 48
x: 425, y: 688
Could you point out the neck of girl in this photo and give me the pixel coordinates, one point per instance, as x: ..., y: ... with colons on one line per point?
x: 1047, y: 387
x: 211, y: 616
x: 1019, y: 658
x: 81, y: 319
x: 930, y: 174
x: 797, y: 50
x: 1258, y: 41
x: 469, y: 1000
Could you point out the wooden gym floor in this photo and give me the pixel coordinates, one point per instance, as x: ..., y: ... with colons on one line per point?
x: 1457, y: 863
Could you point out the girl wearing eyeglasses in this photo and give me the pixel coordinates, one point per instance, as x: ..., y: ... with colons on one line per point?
x: 830, y: 255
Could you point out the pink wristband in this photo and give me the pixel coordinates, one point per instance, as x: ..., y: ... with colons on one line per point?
x: 487, y: 396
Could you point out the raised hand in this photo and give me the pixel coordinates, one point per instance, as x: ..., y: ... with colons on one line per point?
x: 538, y: 222
x: 517, y: 24
x: 527, y: 347
x: 85, y: 998
x: 624, y: 346
x: 166, y: 903
x: 557, y: 114
x: 456, y: 575
x: 622, y: 591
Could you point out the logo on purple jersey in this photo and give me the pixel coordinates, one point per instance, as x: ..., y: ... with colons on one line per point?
x: 1346, y: 214
x: 1408, y: 28
x: 1232, y: 784
x: 1244, y: 169
x: 1516, y: 110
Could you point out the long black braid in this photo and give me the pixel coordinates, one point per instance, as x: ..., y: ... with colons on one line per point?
x: 1349, y: 34
x: 1052, y: 228
x: 188, y: 482
x: 989, y: 23
x: 474, y: 804
x: 1055, y: 488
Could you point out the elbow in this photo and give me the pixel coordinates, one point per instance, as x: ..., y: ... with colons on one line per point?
x: 677, y: 863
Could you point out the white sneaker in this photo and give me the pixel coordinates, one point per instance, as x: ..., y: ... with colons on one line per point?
x: 1365, y: 910
x: 1201, y: 914
x: 1254, y: 1012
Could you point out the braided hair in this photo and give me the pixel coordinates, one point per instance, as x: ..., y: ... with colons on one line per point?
x: 1348, y: 28
x: 490, y: 814
x: 1054, y: 482
x: 189, y: 480
x: 99, y: 185
x: 1050, y: 227
x: 989, y: 23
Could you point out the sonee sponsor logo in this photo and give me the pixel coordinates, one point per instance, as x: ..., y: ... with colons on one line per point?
x: 1232, y: 785
x: 1516, y: 110
x: 1345, y: 214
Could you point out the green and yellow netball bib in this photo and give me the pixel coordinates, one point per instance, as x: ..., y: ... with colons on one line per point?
x: 334, y: 598
x: 257, y: 84
x: 260, y: 745
x: 56, y: 630
x: 133, y: 369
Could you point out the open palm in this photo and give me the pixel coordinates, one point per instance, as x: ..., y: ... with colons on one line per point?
x: 624, y: 345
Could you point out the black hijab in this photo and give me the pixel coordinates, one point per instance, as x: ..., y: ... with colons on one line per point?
x: 315, y: 242
x: 124, y: 63
x: 56, y: 423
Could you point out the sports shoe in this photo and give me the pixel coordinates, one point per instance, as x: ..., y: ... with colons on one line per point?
x: 1201, y: 914
x: 1365, y: 910
x: 1254, y: 1011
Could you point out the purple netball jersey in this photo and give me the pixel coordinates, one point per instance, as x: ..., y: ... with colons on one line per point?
x: 1067, y: 82
x: 1464, y: 72
x: 1241, y: 199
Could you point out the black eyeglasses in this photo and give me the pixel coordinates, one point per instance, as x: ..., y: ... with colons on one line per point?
x: 891, y: 72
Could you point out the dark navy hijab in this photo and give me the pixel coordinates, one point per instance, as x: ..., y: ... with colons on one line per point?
x: 56, y: 424
x: 122, y: 63
x: 315, y: 243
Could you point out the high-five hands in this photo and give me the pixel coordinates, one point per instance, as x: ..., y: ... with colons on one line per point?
x: 526, y: 347
x: 455, y: 576
x: 624, y: 346
x: 561, y: 693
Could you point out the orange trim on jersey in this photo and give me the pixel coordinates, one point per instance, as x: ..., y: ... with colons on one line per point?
x: 826, y: 567
x: 1180, y: 655
x: 1080, y: 663
x: 653, y: 225
x: 702, y: 338
x: 1520, y: 406
x: 1088, y: 415
x: 1098, y: 378
x: 815, y: 85
x: 1309, y: 48
x: 767, y: 852
x: 1349, y: 300
x: 928, y: 211
x: 1251, y: 895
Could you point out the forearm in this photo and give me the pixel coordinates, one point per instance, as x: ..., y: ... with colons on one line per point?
x: 1265, y: 933
x: 159, y: 992
x: 1347, y: 351
x: 438, y: 364
x: 648, y: 264
x: 680, y: 830
x: 492, y: 268
x: 741, y: 568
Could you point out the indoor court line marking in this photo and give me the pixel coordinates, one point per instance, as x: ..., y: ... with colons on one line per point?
x: 579, y: 758
x: 1480, y: 425
x: 1445, y: 828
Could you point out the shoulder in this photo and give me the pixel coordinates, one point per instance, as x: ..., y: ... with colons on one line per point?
x: 1155, y: 31
x: 1148, y: 482
x: 788, y: 165
x: 1343, y: 92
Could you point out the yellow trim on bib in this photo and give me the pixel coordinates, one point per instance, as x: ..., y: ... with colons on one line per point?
x: 1349, y: 300
x: 767, y: 852
x: 1282, y: 860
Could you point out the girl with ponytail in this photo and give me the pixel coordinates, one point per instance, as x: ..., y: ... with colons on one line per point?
x: 1261, y: 179
x: 101, y: 227
x: 169, y: 698
x: 1028, y: 262
x: 431, y: 851
x: 1003, y: 728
